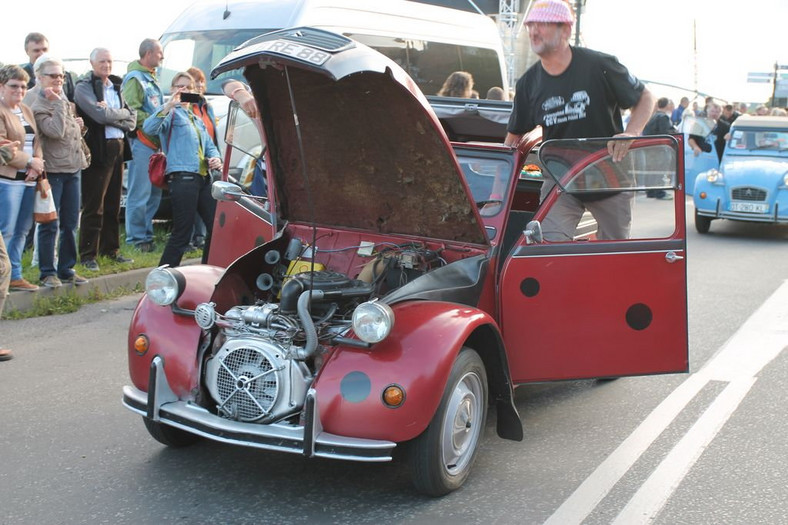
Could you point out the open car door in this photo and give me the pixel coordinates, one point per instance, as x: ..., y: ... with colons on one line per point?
x: 586, y: 307
x: 244, y: 221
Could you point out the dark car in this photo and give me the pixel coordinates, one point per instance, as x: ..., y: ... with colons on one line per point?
x: 392, y: 285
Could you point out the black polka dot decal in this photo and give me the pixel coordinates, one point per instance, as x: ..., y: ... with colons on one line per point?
x: 529, y: 287
x: 639, y: 316
x: 222, y: 219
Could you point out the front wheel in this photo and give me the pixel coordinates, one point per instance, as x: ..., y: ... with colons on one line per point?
x: 170, y: 436
x: 442, y: 456
x: 702, y: 223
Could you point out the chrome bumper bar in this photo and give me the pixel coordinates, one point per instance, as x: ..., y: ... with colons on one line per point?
x: 162, y: 405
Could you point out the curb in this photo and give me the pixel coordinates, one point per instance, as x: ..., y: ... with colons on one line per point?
x: 24, y: 301
x: 104, y: 284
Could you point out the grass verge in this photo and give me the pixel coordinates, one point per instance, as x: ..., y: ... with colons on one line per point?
x: 69, y: 301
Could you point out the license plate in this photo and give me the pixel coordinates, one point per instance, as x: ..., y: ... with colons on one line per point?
x: 749, y: 207
x: 297, y: 51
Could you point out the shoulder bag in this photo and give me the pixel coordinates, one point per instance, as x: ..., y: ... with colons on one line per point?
x: 157, y: 164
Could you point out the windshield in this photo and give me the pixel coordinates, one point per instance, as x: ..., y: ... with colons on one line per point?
x: 751, y: 139
x: 697, y: 126
x: 202, y: 49
x: 488, y: 180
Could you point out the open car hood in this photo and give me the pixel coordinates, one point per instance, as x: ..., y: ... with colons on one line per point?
x: 352, y: 141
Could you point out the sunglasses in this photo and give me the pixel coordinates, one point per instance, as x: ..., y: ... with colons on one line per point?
x: 54, y: 76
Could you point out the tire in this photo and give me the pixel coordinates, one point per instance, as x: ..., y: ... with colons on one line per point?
x: 702, y: 224
x: 442, y: 456
x: 170, y: 436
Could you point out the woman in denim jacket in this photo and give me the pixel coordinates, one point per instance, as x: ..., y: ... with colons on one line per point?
x: 191, y: 154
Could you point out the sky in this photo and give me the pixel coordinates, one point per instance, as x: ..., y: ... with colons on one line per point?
x: 653, y: 38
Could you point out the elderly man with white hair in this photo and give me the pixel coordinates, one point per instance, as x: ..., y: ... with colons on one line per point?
x: 100, y: 103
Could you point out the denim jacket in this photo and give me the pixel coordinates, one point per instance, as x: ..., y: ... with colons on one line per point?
x: 182, y: 146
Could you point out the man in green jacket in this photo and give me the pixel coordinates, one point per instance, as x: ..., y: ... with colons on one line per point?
x: 142, y: 93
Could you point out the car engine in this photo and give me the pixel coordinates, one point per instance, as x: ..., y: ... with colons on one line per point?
x: 265, y: 356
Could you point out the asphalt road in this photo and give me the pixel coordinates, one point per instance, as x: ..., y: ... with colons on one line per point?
x: 706, y: 447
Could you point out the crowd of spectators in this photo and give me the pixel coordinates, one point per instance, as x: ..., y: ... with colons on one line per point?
x: 73, y: 136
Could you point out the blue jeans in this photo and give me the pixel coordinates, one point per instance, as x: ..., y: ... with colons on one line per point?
x: 16, y: 219
x: 142, y: 198
x: 66, y: 193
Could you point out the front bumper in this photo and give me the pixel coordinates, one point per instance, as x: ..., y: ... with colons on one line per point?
x: 162, y: 405
x: 717, y: 209
x: 742, y: 216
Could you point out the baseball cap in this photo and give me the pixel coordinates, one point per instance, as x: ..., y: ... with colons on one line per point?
x: 557, y: 11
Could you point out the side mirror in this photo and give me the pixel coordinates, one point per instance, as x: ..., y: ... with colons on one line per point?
x: 533, y: 233
x: 226, y: 191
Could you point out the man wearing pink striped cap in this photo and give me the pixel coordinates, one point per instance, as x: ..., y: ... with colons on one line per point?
x: 575, y: 92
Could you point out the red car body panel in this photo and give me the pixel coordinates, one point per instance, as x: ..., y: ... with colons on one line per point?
x: 418, y: 357
x: 172, y: 336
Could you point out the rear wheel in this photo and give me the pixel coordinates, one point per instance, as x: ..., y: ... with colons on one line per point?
x: 702, y: 224
x: 170, y: 436
x: 442, y: 456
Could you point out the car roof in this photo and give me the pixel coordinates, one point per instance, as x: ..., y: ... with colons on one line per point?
x: 755, y: 121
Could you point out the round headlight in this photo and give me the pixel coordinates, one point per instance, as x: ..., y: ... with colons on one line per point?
x: 373, y: 321
x: 163, y: 286
x: 714, y: 176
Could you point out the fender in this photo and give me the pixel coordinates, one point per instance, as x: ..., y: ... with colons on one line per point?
x: 417, y: 356
x: 174, y: 337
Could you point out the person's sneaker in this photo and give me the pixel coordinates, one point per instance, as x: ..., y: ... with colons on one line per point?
x: 91, y: 265
x: 22, y: 285
x: 118, y: 258
x: 145, y: 247
x: 51, y: 281
x: 75, y: 279
x: 6, y: 354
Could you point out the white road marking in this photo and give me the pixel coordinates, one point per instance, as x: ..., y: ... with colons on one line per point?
x: 654, y: 493
x: 762, y: 337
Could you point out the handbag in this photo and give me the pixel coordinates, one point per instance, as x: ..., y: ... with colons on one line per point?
x: 86, y: 154
x: 44, y: 210
x: 157, y: 164
x: 157, y: 168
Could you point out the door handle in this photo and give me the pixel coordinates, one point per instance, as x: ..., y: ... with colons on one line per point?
x: 671, y: 257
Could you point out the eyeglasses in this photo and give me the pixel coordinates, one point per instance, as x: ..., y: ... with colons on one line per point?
x: 16, y: 86
x: 54, y: 76
x: 183, y: 87
x: 530, y: 26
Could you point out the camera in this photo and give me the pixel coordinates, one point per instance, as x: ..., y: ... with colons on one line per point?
x: 191, y: 98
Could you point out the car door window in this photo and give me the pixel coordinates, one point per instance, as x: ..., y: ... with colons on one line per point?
x: 647, y: 175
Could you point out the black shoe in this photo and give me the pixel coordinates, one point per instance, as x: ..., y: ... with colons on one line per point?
x: 91, y: 265
x: 118, y: 258
x: 145, y: 247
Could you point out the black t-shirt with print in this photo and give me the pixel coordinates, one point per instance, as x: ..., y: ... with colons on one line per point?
x: 584, y: 101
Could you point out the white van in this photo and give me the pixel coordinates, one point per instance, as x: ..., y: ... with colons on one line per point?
x: 429, y: 42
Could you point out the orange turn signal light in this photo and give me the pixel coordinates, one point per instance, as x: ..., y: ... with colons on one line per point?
x: 393, y: 396
x: 702, y: 195
x: 141, y: 344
